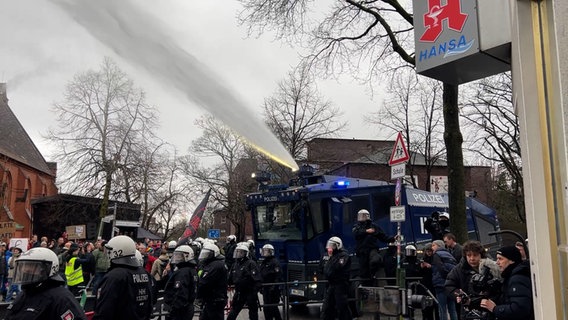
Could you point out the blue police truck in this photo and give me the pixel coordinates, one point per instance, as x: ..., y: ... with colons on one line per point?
x: 299, y: 218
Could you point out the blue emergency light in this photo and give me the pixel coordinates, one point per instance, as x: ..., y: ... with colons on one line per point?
x: 341, y: 184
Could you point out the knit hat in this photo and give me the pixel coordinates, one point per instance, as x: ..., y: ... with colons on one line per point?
x: 511, y: 253
x: 439, y: 243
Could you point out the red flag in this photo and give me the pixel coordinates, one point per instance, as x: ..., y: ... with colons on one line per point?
x: 193, y: 223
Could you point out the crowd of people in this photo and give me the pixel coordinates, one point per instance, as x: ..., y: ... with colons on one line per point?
x: 126, y: 276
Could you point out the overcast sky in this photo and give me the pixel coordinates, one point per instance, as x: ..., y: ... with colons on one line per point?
x: 43, y: 48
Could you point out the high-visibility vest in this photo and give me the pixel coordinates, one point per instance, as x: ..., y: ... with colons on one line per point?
x: 74, y: 276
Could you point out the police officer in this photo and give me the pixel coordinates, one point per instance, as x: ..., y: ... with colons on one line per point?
x: 229, y: 250
x: 126, y: 290
x: 367, y: 234
x: 247, y: 280
x: 438, y: 225
x: 43, y: 293
x: 179, y: 293
x: 212, y: 284
x: 271, y: 273
x: 251, y: 248
x: 335, y: 267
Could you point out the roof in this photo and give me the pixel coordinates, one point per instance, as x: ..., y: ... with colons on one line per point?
x: 143, y: 234
x: 15, y: 143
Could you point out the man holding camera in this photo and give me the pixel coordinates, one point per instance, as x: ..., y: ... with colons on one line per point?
x: 474, y: 278
x: 438, y: 225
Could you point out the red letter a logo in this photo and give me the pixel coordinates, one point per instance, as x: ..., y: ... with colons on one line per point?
x: 436, y: 14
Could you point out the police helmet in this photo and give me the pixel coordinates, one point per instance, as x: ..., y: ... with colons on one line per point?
x: 36, y: 265
x: 121, y: 250
x: 209, y: 251
x: 410, y: 251
x: 231, y: 238
x: 363, y: 215
x: 445, y: 215
x: 182, y: 253
x: 334, y: 243
x: 172, y: 244
x: 241, y: 250
x: 199, y: 239
x: 139, y: 258
x: 267, y: 250
x: 250, y: 243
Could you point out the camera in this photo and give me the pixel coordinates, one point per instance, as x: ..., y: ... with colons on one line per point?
x: 481, y: 286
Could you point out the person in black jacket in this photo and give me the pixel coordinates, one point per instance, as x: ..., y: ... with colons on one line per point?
x: 335, y: 266
x: 212, y: 285
x: 475, y: 277
x: 516, y: 300
x: 126, y: 290
x: 43, y: 293
x: 179, y: 292
x: 229, y: 250
x: 367, y: 235
x: 438, y: 225
x: 271, y: 273
x: 246, y: 278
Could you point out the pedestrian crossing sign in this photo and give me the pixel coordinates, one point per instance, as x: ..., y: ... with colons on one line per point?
x: 399, y: 153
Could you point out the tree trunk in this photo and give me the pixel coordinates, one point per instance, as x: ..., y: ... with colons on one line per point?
x: 456, y: 177
x: 104, y: 204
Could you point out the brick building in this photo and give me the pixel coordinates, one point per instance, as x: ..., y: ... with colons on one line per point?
x: 24, y: 175
x: 368, y: 159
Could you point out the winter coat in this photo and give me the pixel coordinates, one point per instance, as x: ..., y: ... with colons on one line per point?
x: 516, y: 300
x: 46, y: 302
x: 460, y: 276
x: 368, y: 241
x: 245, y: 275
x: 336, y: 268
x: 159, y: 266
x: 442, y: 263
x: 212, y: 285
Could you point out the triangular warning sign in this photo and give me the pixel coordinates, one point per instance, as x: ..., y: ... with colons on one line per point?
x: 399, y: 153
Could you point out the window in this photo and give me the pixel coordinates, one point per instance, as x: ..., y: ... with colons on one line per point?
x: 279, y: 221
x: 223, y: 219
x: 319, y: 213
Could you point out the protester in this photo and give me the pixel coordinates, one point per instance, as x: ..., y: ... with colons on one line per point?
x: 13, y: 289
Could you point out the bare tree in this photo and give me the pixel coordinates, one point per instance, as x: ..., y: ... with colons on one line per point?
x: 369, y: 39
x: 495, y: 135
x: 225, y: 149
x: 101, y: 119
x: 413, y: 107
x: 297, y: 113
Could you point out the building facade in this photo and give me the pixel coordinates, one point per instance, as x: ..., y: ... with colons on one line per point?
x: 24, y: 175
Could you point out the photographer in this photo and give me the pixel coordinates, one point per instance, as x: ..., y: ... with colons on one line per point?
x: 516, y: 301
x: 438, y: 225
x: 474, y: 278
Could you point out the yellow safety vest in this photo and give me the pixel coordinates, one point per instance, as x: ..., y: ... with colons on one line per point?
x: 74, y: 276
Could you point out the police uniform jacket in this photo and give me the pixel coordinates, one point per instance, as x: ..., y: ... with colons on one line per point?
x: 270, y: 272
x: 245, y: 275
x: 368, y: 241
x: 336, y: 269
x: 179, y: 292
x: 212, y: 285
x: 125, y: 293
x: 516, y: 300
x: 49, y: 301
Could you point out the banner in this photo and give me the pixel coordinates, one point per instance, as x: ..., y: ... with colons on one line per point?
x: 193, y: 223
